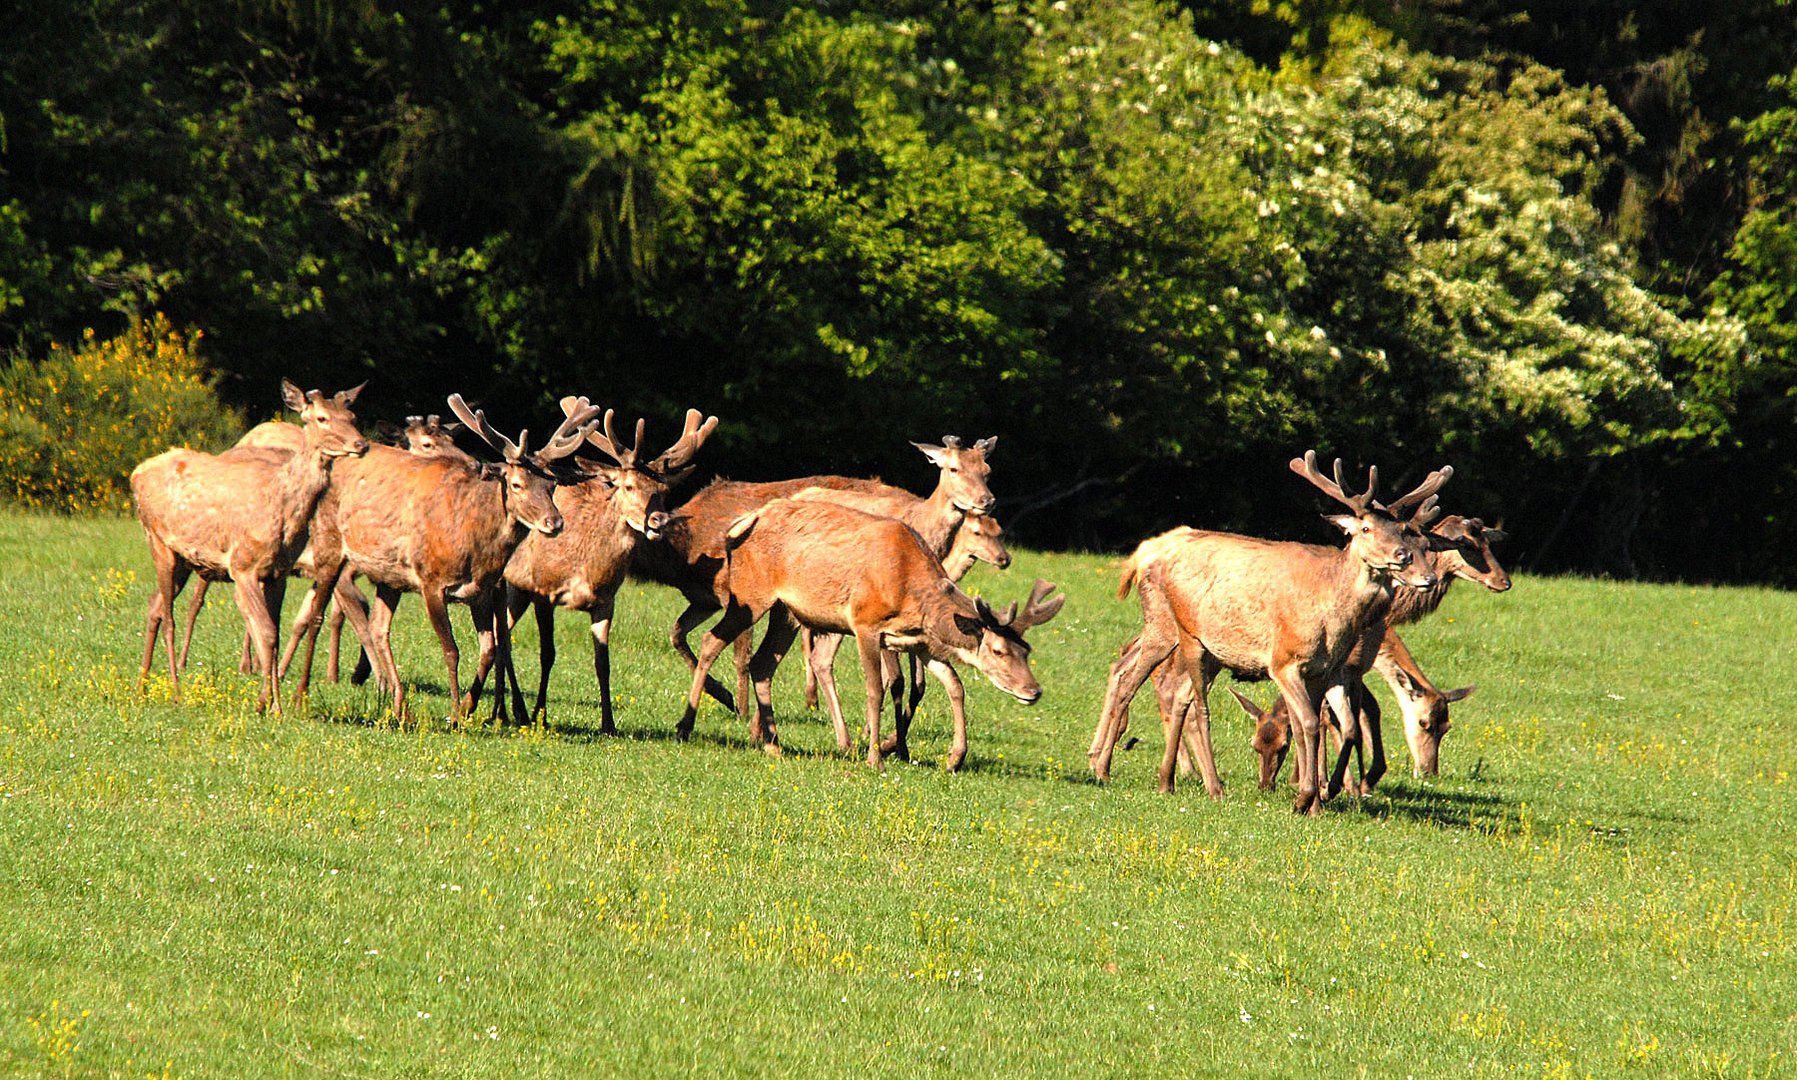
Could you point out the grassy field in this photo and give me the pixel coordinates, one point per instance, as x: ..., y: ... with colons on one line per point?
x: 1603, y: 880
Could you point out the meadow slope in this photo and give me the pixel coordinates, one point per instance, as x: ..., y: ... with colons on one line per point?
x: 1602, y: 881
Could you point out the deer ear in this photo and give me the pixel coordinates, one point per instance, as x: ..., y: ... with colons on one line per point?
x: 936, y: 454
x: 742, y: 527
x: 1459, y: 695
x: 1345, y: 522
x: 987, y: 445
x: 1248, y: 706
x: 293, y: 396
x: 968, y: 624
x: 348, y: 397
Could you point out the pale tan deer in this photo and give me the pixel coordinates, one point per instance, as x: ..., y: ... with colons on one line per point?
x: 836, y: 569
x: 1286, y: 611
x: 606, y: 514
x: 690, y: 555
x: 243, y: 515
x: 980, y: 538
x: 1458, y: 547
x: 444, y: 529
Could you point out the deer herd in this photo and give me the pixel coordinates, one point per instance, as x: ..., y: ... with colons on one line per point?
x: 818, y: 559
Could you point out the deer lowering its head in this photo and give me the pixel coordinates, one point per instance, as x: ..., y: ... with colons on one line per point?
x: 243, y: 515
x: 607, y: 511
x: 1285, y: 611
x: 839, y: 570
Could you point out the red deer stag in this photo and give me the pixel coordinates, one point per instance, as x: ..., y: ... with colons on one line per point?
x: 606, y: 514
x: 842, y: 571
x: 444, y: 529
x: 1286, y: 611
x: 1459, y: 547
x: 690, y: 556
x: 244, y: 515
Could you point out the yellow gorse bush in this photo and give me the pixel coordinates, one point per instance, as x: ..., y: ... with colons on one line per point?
x: 75, y: 423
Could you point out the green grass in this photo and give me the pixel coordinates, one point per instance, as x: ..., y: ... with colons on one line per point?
x: 1602, y: 881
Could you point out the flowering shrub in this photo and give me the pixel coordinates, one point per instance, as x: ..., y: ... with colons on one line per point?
x: 74, y: 424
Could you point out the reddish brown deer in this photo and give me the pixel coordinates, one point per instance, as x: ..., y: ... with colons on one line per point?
x: 1286, y: 611
x: 839, y: 570
x: 244, y: 515
x: 979, y: 538
x: 690, y: 556
x: 445, y: 530
x: 1458, y: 547
x: 606, y: 514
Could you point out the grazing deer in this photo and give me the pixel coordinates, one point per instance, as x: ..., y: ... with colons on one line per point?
x: 243, y: 515
x: 843, y: 571
x: 1286, y: 611
x: 690, y: 556
x: 1458, y: 547
x: 605, y: 514
x: 979, y: 539
x: 444, y: 529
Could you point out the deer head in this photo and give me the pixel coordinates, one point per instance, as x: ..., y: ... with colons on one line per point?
x: 1000, y: 651
x: 979, y: 539
x: 1426, y: 720
x: 638, y: 491
x: 328, y: 422
x: 1467, y: 545
x: 964, y: 472
x: 429, y: 435
x: 1389, y: 545
x: 527, y: 485
x: 1272, y: 736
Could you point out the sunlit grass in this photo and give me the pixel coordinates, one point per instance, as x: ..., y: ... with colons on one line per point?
x: 1600, y: 883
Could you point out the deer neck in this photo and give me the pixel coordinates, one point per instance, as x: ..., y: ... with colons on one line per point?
x: 1362, y: 593
x: 937, y: 519
x: 303, y: 481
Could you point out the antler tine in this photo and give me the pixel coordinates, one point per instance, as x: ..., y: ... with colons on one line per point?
x: 572, y: 432
x: 1038, y: 608
x: 1426, y: 513
x: 1430, y: 485
x: 1307, y: 468
x: 476, y: 420
x: 691, y: 438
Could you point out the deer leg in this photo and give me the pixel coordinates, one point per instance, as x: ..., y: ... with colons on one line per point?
x: 194, y: 604
x: 262, y: 630
x: 436, y: 608
x: 1336, y: 701
x: 683, y: 626
x: 1156, y: 642
x: 868, y: 645
x: 1125, y: 655
x: 957, y: 704
x: 601, y: 626
x: 775, y: 640
x: 808, y: 646
x: 1368, y: 708
x: 352, y: 605
x: 544, y: 612
x: 171, y: 574
x: 1302, y: 706
x: 305, y: 632
x: 737, y: 619
x: 1202, y: 669
x: 820, y: 671
x: 481, y: 612
x: 744, y: 643
x: 892, y: 678
x: 380, y: 636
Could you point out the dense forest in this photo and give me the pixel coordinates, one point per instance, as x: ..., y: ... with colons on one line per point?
x: 1156, y: 248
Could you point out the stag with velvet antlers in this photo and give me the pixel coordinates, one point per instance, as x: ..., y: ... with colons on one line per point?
x: 1286, y: 611
x: 444, y: 529
x: 606, y: 514
x: 839, y: 570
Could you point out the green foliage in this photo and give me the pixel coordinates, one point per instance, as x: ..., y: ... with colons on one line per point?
x: 74, y: 423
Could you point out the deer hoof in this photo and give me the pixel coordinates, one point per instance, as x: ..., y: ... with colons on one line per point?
x: 772, y: 749
x: 954, y: 760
